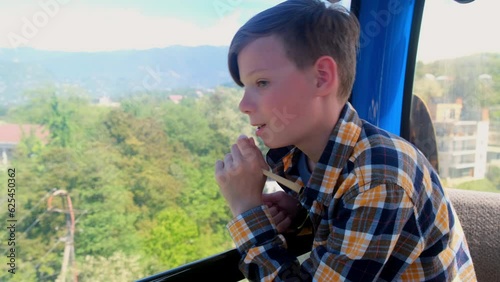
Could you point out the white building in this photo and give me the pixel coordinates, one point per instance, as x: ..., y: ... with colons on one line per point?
x: 462, y: 145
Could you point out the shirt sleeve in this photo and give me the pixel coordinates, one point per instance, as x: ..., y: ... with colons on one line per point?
x: 374, y: 234
x: 367, y: 228
x: 264, y: 251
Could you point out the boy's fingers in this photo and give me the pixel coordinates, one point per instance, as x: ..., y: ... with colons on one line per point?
x: 250, y: 151
x: 219, y: 165
x: 279, y: 217
x: 236, y: 154
x: 267, y: 198
x: 245, y: 148
x: 228, y: 161
x: 252, y: 142
x: 219, y: 172
x: 283, y: 225
x: 272, y: 197
x: 263, y: 162
x: 273, y: 211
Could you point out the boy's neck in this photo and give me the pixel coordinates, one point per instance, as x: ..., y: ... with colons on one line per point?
x: 318, y: 139
x: 311, y: 164
x: 316, y: 145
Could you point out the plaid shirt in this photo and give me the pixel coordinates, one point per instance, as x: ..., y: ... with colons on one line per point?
x: 378, y: 213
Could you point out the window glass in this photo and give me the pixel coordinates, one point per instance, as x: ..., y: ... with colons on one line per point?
x: 458, y: 79
x: 112, y: 115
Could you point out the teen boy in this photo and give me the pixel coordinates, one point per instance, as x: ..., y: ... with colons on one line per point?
x: 377, y: 207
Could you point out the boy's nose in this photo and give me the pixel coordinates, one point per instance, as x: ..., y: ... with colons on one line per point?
x: 246, y: 104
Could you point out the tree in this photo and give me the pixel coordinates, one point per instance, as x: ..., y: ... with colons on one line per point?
x: 493, y: 175
x: 116, y: 268
x: 58, y: 122
x: 141, y: 180
x: 173, y: 238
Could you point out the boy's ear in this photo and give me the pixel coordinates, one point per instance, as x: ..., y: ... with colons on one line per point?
x: 327, y: 78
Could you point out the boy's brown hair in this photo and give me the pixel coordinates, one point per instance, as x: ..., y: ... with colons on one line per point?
x: 308, y: 29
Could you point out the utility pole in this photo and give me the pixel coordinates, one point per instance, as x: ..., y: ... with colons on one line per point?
x: 69, y: 247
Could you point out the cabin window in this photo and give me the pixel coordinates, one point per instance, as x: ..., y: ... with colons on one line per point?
x: 457, y: 79
x: 113, y: 115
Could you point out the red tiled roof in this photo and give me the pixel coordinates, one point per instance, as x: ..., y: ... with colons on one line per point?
x: 176, y: 98
x: 13, y: 133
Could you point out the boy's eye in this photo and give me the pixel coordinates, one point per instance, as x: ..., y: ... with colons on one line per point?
x: 262, y: 83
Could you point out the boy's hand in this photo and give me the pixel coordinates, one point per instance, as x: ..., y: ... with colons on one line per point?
x: 283, y: 209
x: 240, y: 177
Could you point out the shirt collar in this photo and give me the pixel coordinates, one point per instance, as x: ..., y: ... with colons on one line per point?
x: 324, y: 178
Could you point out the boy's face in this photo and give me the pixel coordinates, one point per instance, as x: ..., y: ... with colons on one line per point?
x: 278, y: 98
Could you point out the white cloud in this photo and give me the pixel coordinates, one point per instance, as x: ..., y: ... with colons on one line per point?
x: 84, y: 29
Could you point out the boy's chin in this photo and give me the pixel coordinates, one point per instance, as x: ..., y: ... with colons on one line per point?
x: 275, y: 145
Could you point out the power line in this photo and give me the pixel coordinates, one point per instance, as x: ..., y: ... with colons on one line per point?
x: 69, y: 253
x: 39, y: 202
x: 81, y: 213
x: 34, y: 222
x: 50, y: 250
x: 28, y: 213
x: 54, y: 246
x: 69, y: 247
x: 49, y: 276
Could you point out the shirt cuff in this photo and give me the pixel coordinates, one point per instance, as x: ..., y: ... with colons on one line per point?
x: 252, y: 228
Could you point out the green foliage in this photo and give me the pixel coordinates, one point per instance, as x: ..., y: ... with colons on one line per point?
x: 473, y: 79
x: 493, y: 175
x: 115, y: 268
x: 58, y: 124
x: 173, y: 240
x: 490, y: 184
x: 484, y: 185
x: 186, y: 125
x: 140, y: 178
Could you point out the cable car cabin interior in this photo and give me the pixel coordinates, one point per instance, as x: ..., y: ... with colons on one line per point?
x: 384, y: 95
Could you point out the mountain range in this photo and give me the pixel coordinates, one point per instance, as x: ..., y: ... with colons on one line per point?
x: 113, y: 73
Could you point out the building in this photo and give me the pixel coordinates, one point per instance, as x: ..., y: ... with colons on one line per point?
x: 494, y: 144
x: 176, y: 98
x: 12, y: 134
x: 462, y: 145
x: 105, y: 101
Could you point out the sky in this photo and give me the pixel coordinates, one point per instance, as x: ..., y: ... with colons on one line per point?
x: 104, y: 25
x: 95, y: 25
x: 451, y: 30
